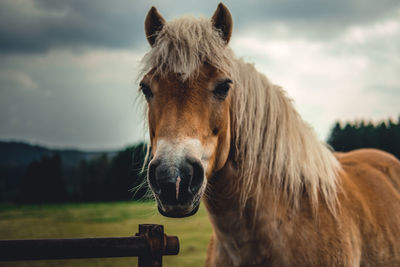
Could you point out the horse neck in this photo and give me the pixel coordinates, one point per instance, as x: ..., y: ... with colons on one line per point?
x: 241, y: 234
x: 222, y: 200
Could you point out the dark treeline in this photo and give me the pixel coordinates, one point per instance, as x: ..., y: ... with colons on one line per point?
x: 384, y: 135
x: 104, y: 177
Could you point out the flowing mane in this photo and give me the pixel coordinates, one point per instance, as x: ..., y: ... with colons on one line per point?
x: 274, y: 146
x: 273, y: 142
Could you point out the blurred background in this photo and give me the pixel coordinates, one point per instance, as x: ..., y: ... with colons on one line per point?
x: 72, y: 122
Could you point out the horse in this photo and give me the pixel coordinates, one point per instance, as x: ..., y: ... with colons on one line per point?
x: 224, y: 134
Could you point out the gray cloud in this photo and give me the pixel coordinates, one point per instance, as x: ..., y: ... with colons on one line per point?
x: 342, y: 11
x: 41, y: 25
x: 70, y: 100
x: 311, y: 19
x: 52, y: 24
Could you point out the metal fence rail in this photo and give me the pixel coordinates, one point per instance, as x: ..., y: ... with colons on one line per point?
x: 150, y: 244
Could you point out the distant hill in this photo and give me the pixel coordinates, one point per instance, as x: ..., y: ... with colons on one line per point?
x: 19, y: 153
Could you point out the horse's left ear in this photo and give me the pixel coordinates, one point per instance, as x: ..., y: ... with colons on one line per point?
x: 222, y: 21
x: 153, y: 24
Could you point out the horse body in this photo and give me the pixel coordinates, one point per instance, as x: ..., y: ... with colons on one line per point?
x: 276, y: 196
x: 364, y: 233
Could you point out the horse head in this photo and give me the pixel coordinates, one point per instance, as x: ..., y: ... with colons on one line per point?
x: 188, y: 118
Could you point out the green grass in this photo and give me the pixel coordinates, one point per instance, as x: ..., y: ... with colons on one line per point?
x: 103, y: 220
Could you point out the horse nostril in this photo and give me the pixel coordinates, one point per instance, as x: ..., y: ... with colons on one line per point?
x: 151, y: 173
x: 197, y: 176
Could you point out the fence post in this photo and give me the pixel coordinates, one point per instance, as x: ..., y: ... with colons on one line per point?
x: 158, y: 244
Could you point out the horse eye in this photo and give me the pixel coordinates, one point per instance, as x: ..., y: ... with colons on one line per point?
x: 222, y: 89
x: 146, y: 90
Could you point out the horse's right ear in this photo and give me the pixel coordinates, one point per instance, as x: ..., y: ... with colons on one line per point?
x: 153, y: 24
x: 222, y: 21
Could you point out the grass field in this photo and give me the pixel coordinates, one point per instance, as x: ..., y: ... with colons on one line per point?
x: 103, y: 220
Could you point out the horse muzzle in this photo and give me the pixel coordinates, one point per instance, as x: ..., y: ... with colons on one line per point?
x: 176, y: 185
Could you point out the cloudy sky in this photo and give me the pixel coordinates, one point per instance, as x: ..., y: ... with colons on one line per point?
x: 68, y: 69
